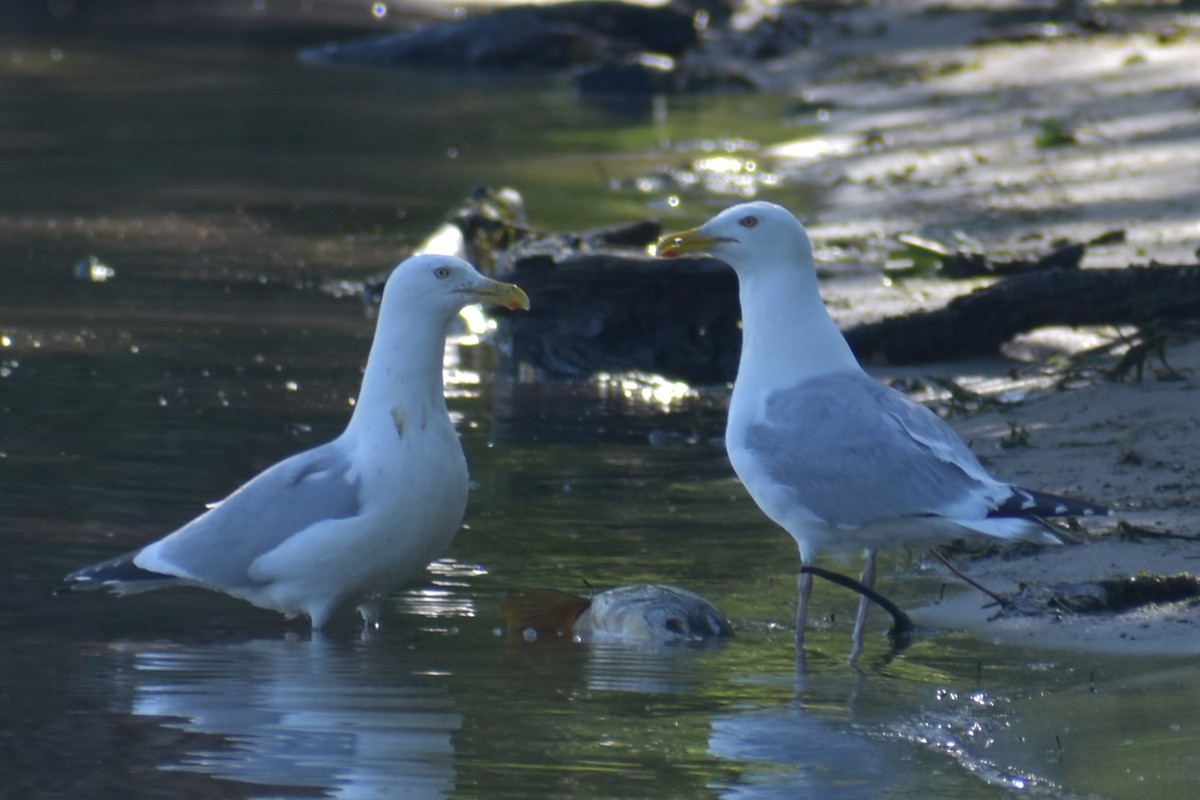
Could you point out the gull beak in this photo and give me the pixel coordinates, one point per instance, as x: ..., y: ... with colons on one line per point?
x: 690, y: 241
x: 497, y: 293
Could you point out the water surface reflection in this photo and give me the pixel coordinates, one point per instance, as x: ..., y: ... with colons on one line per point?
x: 792, y: 753
x: 328, y: 716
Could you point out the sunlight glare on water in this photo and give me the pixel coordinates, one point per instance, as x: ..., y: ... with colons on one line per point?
x: 652, y: 390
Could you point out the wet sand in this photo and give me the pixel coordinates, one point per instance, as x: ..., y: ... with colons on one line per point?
x: 1132, y: 445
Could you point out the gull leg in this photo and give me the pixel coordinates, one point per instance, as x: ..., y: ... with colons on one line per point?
x: 318, y: 614
x: 369, y: 609
x: 860, y: 621
x: 804, y: 589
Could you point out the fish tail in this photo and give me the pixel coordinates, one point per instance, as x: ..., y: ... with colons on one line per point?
x: 544, y: 611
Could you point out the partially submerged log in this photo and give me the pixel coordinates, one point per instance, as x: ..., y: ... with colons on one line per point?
x: 620, y: 54
x: 637, y: 78
x: 599, y: 303
x: 1111, y: 594
x: 607, y: 312
x: 525, y: 37
x: 929, y: 258
x: 977, y: 324
x: 680, y: 318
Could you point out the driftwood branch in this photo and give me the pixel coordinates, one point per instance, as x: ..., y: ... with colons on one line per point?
x: 599, y: 312
x: 680, y: 318
x: 978, y: 323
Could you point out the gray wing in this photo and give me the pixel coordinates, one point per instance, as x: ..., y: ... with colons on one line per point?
x: 218, y: 547
x: 853, y: 450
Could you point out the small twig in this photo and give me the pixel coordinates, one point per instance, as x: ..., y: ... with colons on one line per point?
x: 901, y: 623
x: 1004, y: 602
x: 1132, y: 531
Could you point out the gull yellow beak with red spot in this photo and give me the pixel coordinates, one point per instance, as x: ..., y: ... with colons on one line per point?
x: 682, y: 243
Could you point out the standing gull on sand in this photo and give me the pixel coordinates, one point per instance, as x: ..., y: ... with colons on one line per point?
x: 836, y: 458
x: 350, y: 520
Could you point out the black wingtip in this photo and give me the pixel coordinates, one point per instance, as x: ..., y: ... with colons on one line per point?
x: 112, y: 574
x: 1032, y: 503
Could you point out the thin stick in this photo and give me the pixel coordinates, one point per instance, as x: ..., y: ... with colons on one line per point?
x: 1003, y: 601
x: 1126, y: 529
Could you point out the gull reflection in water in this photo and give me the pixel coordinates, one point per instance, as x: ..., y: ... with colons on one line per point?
x: 791, y: 753
x: 313, y: 714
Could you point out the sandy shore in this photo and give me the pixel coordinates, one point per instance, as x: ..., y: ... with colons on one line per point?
x: 1132, y: 445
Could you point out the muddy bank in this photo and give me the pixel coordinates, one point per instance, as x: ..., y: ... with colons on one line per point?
x: 1147, y: 629
x: 1130, y: 444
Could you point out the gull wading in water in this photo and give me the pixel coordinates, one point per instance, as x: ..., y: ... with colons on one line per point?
x: 836, y: 458
x: 350, y: 520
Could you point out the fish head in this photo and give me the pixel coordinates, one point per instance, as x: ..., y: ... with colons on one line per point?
x: 651, y: 614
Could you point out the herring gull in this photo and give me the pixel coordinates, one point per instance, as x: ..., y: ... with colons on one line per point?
x: 836, y: 458
x: 348, y: 521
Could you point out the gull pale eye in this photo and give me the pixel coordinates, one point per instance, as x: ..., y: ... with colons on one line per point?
x: 748, y: 222
x: 441, y: 273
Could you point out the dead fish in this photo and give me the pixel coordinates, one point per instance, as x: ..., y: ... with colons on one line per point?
x: 641, y: 614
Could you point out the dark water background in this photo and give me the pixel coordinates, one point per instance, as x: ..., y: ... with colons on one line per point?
x: 225, y: 184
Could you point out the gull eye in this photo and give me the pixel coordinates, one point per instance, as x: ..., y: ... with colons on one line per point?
x: 748, y: 222
x: 441, y: 273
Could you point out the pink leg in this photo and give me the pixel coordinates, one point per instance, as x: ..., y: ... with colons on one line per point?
x: 804, y: 589
x: 860, y: 622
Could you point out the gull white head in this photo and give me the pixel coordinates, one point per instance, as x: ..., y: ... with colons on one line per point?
x: 421, y: 298
x: 788, y: 335
x: 442, y: 286
x: 750, y: 237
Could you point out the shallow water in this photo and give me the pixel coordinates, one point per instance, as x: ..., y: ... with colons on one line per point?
x: 223, y: 183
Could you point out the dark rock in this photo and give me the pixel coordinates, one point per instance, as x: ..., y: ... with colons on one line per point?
x: 972, y: 265
x: 624, y: 78
x: 1107, y: 595
x: 526, y: 37
x: 638, y: 77
x: 773, y: 37
x: 929, y: 255
x: 640, y: 233
x: 977, y: 324
x: 594, y: 312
